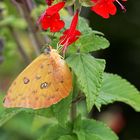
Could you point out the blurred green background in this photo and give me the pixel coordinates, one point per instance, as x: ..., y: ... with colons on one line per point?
x: 122, y: 57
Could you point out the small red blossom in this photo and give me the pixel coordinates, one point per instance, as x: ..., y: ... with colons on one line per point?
x: 70, y: 35
x: 105, y: 8
x: 51, y: 18
x: 49, y: 2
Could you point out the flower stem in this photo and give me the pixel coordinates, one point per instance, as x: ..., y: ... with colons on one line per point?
x: 73, y: 112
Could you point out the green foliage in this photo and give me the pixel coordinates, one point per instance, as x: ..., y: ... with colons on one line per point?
x: 80, y: 130
x: 89, y: 41
x: 114, y: 88
x: 7, y: 114
x: 13, y: 21
x: 68, y: 137
x: 56, y: 132
x: 61, y: 110
x: 93, y: 130
x: 89, y: 72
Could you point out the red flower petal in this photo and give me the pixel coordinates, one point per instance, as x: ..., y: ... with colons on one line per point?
x: 45, y: 22
x: 74, y: 22
x: 51, y: 18
x: 71, y: 34
x: 72, y: 38
x: 112, y: 8
x: 104, y: 8
x: 57, y: 25
x: 55, y: 8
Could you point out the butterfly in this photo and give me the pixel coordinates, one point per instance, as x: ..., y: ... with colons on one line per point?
x: 42, y: 83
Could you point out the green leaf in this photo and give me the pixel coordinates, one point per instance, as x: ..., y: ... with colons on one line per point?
x: 55, y: 132
x: 93, y: 130
x: 89, y: 42
x: 89, y: 72
x: 61, y: 109
x: 114, y: 88
x: 45, y: 112
x: 7, y: 114
x: 68, y: 137
x: 83, y: 25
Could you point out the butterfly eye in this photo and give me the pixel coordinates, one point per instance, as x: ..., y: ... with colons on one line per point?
x: 26, y: 80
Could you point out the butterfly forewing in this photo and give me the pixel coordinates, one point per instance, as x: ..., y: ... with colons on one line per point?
x: 44, y: 82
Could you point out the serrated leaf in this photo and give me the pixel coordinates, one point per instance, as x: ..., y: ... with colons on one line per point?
x: 89, y: 73
x: 90, y: 42
x: 83, y: 26
x: 93, y: 130
x: 61, y: 110
x: 114, y: 88
x: 56, y: 131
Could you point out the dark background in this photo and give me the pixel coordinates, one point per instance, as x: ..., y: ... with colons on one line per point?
x: 123, y: 56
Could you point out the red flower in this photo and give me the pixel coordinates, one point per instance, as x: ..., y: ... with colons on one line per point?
x: 49, y: 2
x: 71, y: 34
x: 105, y: 8
x: 51, y: 18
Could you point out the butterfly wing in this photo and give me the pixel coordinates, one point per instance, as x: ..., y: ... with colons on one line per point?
x: 44, y: 82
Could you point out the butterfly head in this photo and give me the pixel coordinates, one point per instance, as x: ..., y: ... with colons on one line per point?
x: 47, y: 50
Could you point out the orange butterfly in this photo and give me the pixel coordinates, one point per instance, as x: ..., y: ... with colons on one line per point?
x: 43, y: 83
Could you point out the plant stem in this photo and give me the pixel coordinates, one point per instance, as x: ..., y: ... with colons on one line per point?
x: 73, y: 112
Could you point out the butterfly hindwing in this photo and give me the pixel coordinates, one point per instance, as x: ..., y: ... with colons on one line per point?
x: 44, y: 82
